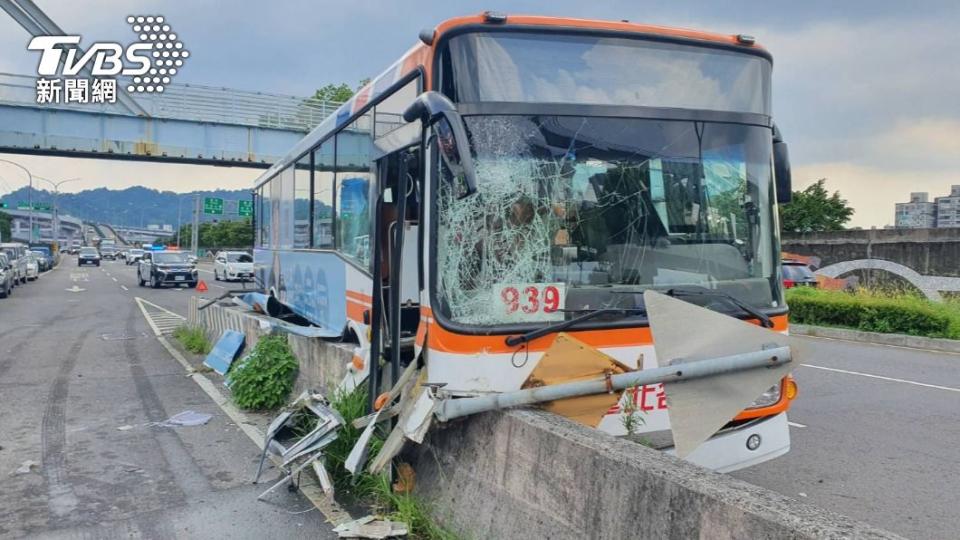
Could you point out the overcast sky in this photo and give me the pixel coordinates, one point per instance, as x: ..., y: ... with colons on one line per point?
x: 866, y: 92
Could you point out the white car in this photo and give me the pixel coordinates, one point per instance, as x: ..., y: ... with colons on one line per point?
x: 133, y: 256
x: 233, y: 265
x: 33, y: 266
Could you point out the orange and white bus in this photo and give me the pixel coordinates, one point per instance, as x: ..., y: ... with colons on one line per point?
x: 513, y: 176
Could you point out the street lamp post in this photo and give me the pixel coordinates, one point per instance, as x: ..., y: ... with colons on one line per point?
x: 56, y: 211
x: 29, y: 192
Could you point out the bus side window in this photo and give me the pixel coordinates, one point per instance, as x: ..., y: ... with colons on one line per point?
x: 265, y: 218
x: 354, y: 181
x: 323, y: 171
x: 301, y: 203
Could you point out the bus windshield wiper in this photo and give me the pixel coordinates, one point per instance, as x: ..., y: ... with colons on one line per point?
x: 765, y: 320
x: 560, y: 326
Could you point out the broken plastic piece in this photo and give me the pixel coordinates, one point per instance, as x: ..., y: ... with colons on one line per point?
x: 26, y: 467
x: 225, y: 351
x: 358, y: 455
x: 326, y: 483
x: 367, y: 527
x: 187, y: 418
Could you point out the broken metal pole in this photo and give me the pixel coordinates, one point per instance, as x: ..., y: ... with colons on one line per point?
x: 449, y: 409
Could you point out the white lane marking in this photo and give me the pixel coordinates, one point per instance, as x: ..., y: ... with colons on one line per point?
x: 882, y: 378
x: 113, y: 278
x: 161, y: 308
x: 854, y: 342
x: 124, y: 287
x: 796, y: 424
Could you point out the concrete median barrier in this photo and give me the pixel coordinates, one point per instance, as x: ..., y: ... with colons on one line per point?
x: 530, y: 474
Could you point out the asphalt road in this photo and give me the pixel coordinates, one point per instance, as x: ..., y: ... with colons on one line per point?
x: 882, y: 450
x: 75, y: 368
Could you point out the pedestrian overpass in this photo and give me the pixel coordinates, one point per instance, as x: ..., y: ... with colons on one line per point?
x: 185, y: 124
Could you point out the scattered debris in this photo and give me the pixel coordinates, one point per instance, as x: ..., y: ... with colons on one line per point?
x: 370, y: 527
x: 225, y: 351
x: 409, y: 388
x: 326, y: 482
x: 187, y: 418
x: 284, y: 438
x: 358, y: 454
x: 26, y: 467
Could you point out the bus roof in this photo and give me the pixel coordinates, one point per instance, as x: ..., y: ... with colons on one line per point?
x: 420, y: 56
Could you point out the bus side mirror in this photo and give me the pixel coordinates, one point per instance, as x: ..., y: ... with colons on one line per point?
x: 439, y: 114
x: 781, y: 168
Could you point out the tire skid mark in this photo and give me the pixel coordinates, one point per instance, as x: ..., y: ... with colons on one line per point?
x: 53, y: 435
x: 6, y: 360
x: 188, y: 476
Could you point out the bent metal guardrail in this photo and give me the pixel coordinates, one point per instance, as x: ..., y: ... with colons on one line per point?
x: 194, y: 103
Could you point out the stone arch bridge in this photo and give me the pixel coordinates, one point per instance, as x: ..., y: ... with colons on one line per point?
x: 930, y: 286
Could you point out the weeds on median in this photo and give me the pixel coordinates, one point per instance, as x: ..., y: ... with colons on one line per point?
x: 264, y: 378
x: 193, y: 339
x: 375, y: 490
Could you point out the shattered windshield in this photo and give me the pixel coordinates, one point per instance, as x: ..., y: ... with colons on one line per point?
x: 581, y: 213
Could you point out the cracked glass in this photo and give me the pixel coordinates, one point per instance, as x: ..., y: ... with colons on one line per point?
x: 580, y: 213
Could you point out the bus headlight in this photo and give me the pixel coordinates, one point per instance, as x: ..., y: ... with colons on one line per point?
x: 768, y: 398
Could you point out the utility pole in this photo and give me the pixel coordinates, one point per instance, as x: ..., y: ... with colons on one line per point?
x: 195, y: 233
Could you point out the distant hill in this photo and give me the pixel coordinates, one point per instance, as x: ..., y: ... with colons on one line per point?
x: 131, y: 207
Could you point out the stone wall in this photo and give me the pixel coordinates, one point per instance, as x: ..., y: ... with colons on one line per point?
x: 530, y: 474
x: 931, y: 252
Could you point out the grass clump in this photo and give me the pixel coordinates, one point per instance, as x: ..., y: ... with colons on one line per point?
x: 264, y: 378
x: 375, y: 490
x: 193, y: 339
x: 875, y: 311
x: 351, y: 406
x: 409, y: 509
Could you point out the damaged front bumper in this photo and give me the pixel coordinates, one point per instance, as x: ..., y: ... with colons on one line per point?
x: 743, y: 446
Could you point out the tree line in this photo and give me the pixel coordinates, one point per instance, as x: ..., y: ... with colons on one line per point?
x: 219, y: 235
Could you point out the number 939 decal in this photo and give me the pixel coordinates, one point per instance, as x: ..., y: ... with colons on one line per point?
x: 531, y: 301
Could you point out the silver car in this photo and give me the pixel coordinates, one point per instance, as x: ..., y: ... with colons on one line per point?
x: 16, y: 253
x: 7, y: 272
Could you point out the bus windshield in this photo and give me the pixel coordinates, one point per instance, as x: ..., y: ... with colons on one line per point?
x: 601, y: 70
x: 576, y: 213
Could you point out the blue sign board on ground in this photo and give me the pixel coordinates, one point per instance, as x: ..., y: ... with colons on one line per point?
x: 223, y: 353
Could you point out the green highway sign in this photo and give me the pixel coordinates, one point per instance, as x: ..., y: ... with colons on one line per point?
x: 245, y: 208
x: 26, y: 206
x: 212, y: 205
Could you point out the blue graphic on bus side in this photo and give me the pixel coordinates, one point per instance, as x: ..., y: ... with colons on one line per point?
x: 312, y: 284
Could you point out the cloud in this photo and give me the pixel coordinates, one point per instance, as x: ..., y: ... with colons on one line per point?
x: 117, y: 174
x: 838, y: 82
x: 872, y: 190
